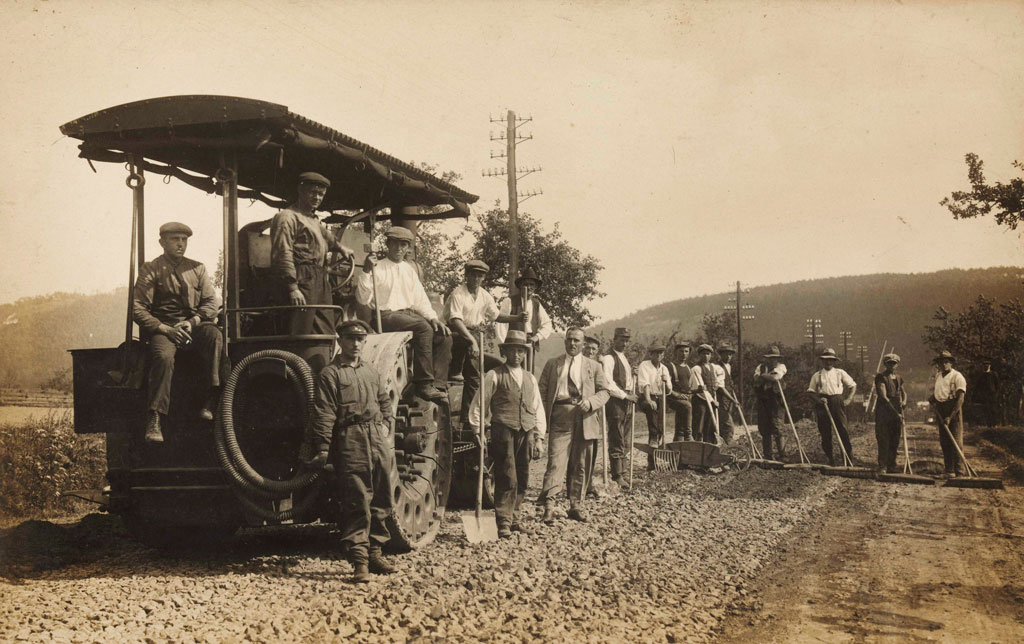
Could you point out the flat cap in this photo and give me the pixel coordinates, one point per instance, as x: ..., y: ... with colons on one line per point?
x: 656, y: 346
x: 590, y: 338
x: 725, y: 347
x: 705, y: 348
x: 353, y: 327
x: 623, y: 332
x: 683, y: 343
x: 398, y: 232
x: 891, y: 358
x: 314, y: 177
x: 175, y: 227
x: 477, y: 265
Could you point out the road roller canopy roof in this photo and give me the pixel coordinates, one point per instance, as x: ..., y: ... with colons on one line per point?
x: 193, y: 137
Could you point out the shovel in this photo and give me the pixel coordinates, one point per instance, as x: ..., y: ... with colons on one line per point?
x: 848, y: 469
x: 908, y: 475
x: 972, y: 479
x: 480, y: 526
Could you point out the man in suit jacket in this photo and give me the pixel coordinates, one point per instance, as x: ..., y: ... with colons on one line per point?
x: 572, y: 388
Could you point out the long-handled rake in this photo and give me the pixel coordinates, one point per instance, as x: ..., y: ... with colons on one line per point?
x: 805, y: 463
x: 632, y: 427
x: 848, y: 469
x: 908, y: 475
x: 972, y: 479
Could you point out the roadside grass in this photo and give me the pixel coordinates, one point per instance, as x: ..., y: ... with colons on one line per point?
x: 1006, y: 445
x: 41, y: 458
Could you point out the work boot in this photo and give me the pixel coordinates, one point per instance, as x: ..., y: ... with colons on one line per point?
x: 360, y: 573
x: 504, y: 532
x: 518, y: 527
x: 153, y: 433
x: 577, y: 514
x: 378, y: 565
x: 427, y: 391
x: 549, y: 514
x: 206, y: 412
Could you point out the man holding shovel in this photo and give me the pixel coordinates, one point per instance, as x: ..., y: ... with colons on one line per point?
x: 832, y: 390
x: 619, y: 375
x: 892, y: 398
x: 517, y: 425
x: 704, y: 403
x: 768, y: 391
x: 682, y: 391
x: 654, y: 381
x: 725, y: 393
x: 947, y: 400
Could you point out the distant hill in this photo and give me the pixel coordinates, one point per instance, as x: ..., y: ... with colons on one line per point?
x: 36, y: 332
x: 875, y: 308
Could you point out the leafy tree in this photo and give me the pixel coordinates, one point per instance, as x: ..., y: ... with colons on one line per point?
x: 716, y: 329
x: 1006, y: 199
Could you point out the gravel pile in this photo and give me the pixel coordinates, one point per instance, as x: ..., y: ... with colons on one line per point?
x: 665, y: 563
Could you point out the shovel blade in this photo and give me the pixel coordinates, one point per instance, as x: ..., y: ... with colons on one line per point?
x: 479, y: 527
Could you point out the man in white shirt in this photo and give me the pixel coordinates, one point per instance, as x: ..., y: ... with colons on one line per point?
x: 468, y: 308
x: 705, y: 405
x: 767, y: 390
x: 725, y: 392
x: 573, y: 389
x: 949, y: 390
x: 538, y: 324
x: 513, y: 407
x: 619, y: 375
x: 832, y: 389
x: 404, y: 306
x: 653, y: 379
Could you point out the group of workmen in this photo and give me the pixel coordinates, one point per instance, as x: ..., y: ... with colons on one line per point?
x: 580, y: 397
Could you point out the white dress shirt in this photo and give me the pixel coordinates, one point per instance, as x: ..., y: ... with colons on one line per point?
x: 946, y: 385
x: 830, y: 382
x: 653, y: 379
x: 608, y: 364
x: 398, y: 287
x: 473, y: 310
x: 491, y: 382
x: 544, y: 326
x: 570, y: 369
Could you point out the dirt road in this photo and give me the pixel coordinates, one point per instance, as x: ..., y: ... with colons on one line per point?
x: 897, y: 563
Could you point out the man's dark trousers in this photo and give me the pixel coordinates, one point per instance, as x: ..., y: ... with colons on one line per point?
x: 703, y: 421
x: 950, y: 457
x: 725, y: 427
x: 511, y: 472
x: 469, y: 367
x: 768, y: 412
x: 362, y: 459
x: 617, y: 410
x: 432, y: 352
x: 888, y: 430
x: 683, y: 409
x: 835, y: 405
x: 207, y: 341
x: 315, y: 286
x: 655, y: 431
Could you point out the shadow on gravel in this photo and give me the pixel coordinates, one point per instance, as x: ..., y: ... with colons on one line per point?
x: 98, y: 546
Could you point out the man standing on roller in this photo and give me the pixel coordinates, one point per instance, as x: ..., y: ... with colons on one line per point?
x: 538, y: 324
x: 619, y: 375
x: 404, y: 306
x: 353, y: 410
x: 298, y: 257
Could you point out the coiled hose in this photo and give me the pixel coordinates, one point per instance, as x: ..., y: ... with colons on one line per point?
x: 252, y: 488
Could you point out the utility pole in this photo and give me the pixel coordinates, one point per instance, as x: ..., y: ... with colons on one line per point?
x: 813, y: 332
x: 511, y: 138
x: 845, y: 337
x: 862, y: 352
x: 739, y: 308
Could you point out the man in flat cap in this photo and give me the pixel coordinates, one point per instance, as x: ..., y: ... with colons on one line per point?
x: 892, y: 398
x: 299, y: 243
x: 404, y: 306
x: 518, y: 426
x: 175, y: 307
x: 572, y: 388
x: 538, y: 323
x: 653, y: 380
x: 768, y: 392
x: 832, y: 390
x: 725, y: 394
x: 619, y: 375
x: 467, y: 309
x: 683, y: 384
x: 353, y: 411
x: 947, y: 399
x: 705, y: 405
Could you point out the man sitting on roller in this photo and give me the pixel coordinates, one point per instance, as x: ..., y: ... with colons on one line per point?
x: 404, y: 306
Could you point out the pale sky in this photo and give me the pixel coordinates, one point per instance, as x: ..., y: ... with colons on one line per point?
x: 686, y: 145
